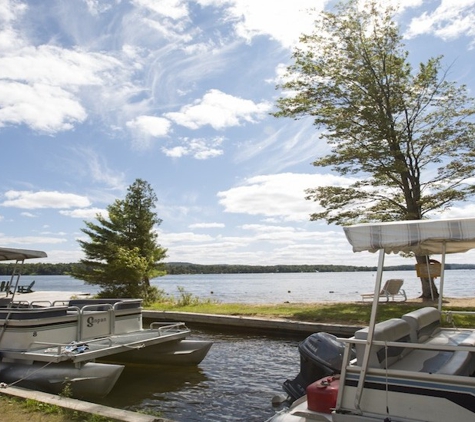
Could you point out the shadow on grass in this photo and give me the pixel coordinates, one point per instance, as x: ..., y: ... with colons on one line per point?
x: 359, y: 314
x: 353, y: 313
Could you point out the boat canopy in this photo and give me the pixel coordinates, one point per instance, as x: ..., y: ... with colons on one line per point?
x: 423, y: 237
x: 8, y: 254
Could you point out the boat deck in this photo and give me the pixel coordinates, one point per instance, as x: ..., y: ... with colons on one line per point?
x: 97, y: 348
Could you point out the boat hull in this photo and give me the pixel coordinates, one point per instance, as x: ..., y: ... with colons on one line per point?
x: 181, y: 352
x: 85, y: 381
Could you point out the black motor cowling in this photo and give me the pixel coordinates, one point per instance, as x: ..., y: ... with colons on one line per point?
x: 321, y: 355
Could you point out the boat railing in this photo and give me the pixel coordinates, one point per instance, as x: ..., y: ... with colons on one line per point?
x: 422, y: 346
x: 41, y: 303
x: 448, y: 314
x: 72, y: 348
x: 89, y: 315
x: 22, y: 303
x: 455, y: 359
x: 168, y: 327
x: 60, y: 303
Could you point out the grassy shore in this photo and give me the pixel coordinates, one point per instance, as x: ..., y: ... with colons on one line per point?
x: 336, y: 313
x: 24, y: 410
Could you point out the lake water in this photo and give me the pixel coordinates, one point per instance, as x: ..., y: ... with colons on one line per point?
x: 243, y: 371
x: 276, y: 288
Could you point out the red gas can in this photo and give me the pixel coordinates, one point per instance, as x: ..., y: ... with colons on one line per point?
x: 322, y: 394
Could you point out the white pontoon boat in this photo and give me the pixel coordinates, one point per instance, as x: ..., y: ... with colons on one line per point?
x: 51, y: 346
x: 404, y: 369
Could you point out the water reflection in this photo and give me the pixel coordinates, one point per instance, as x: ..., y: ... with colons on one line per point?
x: 235, y: 382
x: 139, y: 384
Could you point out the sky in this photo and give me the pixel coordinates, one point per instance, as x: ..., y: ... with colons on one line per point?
x: 95, y: 94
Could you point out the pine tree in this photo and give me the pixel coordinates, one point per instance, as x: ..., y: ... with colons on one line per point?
x: 123, y: 255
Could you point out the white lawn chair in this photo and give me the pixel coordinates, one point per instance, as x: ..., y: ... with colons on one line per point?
x: 391, y: 290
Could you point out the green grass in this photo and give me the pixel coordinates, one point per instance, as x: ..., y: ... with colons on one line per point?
x: 332, y: 313
x: 28, y: 410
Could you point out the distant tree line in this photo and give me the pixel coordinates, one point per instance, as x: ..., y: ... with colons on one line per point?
x: 176, y: 268
x: 38, y: 269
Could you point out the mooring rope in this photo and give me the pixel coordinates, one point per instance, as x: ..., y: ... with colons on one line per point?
x: 5, y: 385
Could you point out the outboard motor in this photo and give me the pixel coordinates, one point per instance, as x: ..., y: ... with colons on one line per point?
x: 321, y: 355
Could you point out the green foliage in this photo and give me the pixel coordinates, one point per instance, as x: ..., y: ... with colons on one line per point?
x: 405, y: 138
x: 122, y: 254
x: 54, y: 412
x: 67, y: 390
x: 40, y: 406
x: 184, y: 300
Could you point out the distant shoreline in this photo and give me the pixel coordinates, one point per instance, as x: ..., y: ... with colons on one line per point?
x: 185, y: 268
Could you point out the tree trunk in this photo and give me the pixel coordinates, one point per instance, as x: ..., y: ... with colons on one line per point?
x: 429, y: 290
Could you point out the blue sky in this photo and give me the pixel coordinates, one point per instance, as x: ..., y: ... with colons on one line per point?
x: 97, y: 93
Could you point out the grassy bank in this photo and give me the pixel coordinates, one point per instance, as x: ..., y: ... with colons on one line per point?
x: 20, y: 410
x: 336, y: 313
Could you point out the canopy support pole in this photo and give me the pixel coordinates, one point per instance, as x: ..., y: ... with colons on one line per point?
x: 442, y: 276
x: 372, y: 323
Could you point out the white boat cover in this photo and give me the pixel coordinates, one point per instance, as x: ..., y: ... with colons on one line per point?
x: 423, y: 237
x: 7, y: 254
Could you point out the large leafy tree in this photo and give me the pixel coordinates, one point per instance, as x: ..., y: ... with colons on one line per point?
x: 405, y: 137
x: 122, y: 253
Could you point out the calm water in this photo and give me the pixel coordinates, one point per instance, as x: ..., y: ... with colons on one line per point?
x: 242, y: 372
x: 235, y: 382
x: 276, y: 288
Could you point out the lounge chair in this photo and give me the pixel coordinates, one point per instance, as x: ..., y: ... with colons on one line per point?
x: 391, y: 290
x: 26, y: 289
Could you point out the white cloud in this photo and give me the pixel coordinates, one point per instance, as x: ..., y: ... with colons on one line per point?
x: 283, y: 146
x: 449, y: 20
x: 150, y: 126
x: 252, y: 18
x: 28, y: 214
x: 42, y: 107
x: 174, y: 9
x: 30, y: 240
x: 206, y: 226
x: 144, y: 128
x: 57, y: 66
x: 265, y: 245
x: 43, y: 199
x: 9, y: 12
x: 279, y: 195
x: 40, y: 86
x: 220, y: 111
x: 201, y: 149
x: 96, y: 7
x: 188, y: 237
x: 98, y: 169
x: 84, y: 213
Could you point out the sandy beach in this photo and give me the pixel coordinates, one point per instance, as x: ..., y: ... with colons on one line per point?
x: 52, y: 296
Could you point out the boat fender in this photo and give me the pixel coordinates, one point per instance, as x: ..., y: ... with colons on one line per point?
x: 322, y: 394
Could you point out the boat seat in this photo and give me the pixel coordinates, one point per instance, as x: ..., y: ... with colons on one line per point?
x: 396, y: 330
x: 424, y: 322
x: 437, y: 362
x: 460, y: 363
x: 425, y: 328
